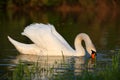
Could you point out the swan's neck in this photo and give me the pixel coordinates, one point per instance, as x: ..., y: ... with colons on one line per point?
x: 78, y: 43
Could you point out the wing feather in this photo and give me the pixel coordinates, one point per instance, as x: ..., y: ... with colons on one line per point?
x: 45, y: 36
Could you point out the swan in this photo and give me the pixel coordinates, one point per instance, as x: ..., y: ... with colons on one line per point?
x: 48, y: 42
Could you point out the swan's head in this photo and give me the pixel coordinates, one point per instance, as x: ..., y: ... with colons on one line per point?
x: 92, y: 51
x: 93, y: 54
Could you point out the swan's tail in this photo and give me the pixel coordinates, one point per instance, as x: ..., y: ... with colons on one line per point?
x: 15, y: 43
x: 25, y: 48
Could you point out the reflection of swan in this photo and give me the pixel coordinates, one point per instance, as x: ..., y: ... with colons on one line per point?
x: 40, y: 59
x: 76, y: 64
x: 72, y: 62
x: 47, y: 41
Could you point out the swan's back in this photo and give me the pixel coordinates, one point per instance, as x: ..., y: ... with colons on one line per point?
x: 45, y: 36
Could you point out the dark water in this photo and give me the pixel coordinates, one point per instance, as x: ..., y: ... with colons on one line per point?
x: 103, y: 28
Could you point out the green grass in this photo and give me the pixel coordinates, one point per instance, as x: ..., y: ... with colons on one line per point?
x: 112, y: 71
x: 109, y: 72
x: 45, y: 72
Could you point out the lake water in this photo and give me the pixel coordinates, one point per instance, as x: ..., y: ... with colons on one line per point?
x: 102, y: 26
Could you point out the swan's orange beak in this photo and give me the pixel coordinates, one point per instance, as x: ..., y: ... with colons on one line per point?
x: 93, y: 55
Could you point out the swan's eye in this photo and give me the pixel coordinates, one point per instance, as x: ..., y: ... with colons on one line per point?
x: 93, y: 54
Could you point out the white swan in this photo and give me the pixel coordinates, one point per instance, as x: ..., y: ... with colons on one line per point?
x: 48, y: 42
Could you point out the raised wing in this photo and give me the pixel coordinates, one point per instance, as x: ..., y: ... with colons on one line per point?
x: 46, y: 37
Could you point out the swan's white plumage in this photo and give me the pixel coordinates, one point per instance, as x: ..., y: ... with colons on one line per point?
x: 47, y: 41
x: 45, y: 36
x: 25, y: 48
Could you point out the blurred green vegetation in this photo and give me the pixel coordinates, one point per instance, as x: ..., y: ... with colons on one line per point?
x: 51, y: 3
